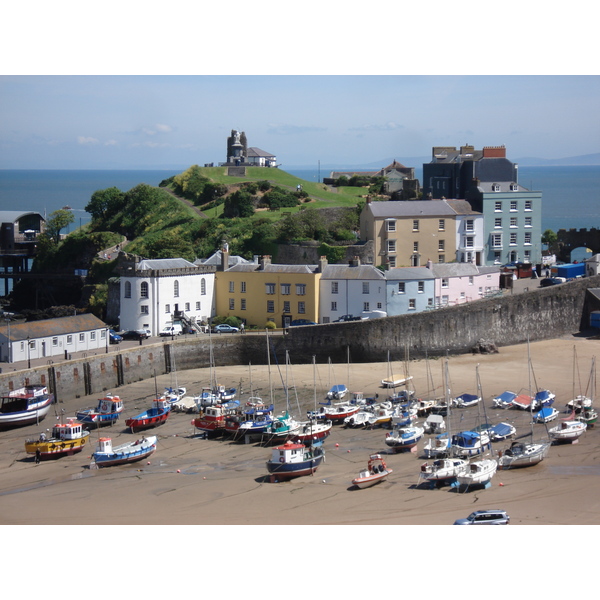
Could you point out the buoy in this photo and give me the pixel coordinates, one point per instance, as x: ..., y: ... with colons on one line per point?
x: 178, y: 471
x: 337, y: 445
x: 348, y: 451
x: 500, y: 484
x: 148, y: 463
x: 204, y: 478
x: 323, y: 481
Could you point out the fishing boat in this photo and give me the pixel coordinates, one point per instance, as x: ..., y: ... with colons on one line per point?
x: 174, y: 395
x: 225, y: 394
x: 212, y: 419
x: 156, y: 415
x: 313, y: 433
x: 66, y: 439
x: 253, y: 420
x: 107, y: 411
x: 403, y: 438
x: 567, y: 430
x: 504, y: 400
x: 294, y: 460
x: 336, y: 412
x: 466, y: 400
x: 107, y: 456
x: 546, y: 414
x: 521, y: 454
x: 24, y: 406
x: 502, y: 431
x: 282, y: 428
x: 375, y: 472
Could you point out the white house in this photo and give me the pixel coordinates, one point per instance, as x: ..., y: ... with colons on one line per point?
x: 52, y: 337
x: 156, y: 292
x: 350, y: 290
x: 409, y: 290
x: 260, y: 158
x: 457, y: 283
x: 470, y: 239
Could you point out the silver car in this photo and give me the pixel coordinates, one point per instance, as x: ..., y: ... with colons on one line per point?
x: 485, y: 517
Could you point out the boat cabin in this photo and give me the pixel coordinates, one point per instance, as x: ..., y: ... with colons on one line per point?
x: 23, y: 399
x: 110, y: 404
x: 290, y: 452
x: 67, y: 431
x: 104, y: 445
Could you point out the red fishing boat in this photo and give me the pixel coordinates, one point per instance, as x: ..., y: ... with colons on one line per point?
x: 214, y: 418
x: 157, y: 415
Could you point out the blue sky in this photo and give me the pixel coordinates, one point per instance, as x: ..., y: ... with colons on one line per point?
x: 88, y: 97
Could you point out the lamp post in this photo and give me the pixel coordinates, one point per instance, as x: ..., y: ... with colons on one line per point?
x: 9, y: 341
x: 28, y: 354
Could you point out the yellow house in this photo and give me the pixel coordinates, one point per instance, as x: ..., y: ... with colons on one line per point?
x: 261, y: 292
x: 409, y: 233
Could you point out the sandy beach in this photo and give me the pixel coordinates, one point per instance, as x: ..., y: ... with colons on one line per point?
x: 217, y: 482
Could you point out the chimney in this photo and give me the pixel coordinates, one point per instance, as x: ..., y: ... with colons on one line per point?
x: 264, y: 261
x: 429, y: 263
x: 354, y: 261
x: 225, y: 257
x: 322, y: 264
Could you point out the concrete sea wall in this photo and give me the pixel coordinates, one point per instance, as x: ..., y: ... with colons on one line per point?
x: 512, y: 319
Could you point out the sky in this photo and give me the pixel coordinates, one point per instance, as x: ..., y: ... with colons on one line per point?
x: 138, y: 91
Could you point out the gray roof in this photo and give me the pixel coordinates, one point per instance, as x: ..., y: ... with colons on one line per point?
x: 51, y: 327
x: 462, y: 207
x: 406, y: 273
x: 158, y: 264
x: 258, y: 152
x: 253, y: 267
x: 217, y: 257
x: 411, y: 209
x: 505, y: 186
x: 11, y: 216
x: 362, y: 272
x: 454, y: 269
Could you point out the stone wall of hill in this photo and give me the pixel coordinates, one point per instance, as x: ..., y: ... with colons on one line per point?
x: 513, y: 319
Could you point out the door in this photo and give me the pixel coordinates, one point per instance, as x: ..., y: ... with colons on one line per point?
x: 287, y: 319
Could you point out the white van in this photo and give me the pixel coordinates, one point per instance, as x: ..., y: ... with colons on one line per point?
x: 171, y: 329
x: 373, y: 314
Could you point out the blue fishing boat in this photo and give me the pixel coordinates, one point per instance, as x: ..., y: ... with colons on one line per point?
x: 26, y: 405
x: 107, y: 456
x: 293, y: 460
x: 106, y: 412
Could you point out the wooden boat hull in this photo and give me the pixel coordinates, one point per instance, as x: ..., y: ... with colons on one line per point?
x: 28, y: 405
x: 147, y: 420
x: 23, y: 418
x: 126, y: 453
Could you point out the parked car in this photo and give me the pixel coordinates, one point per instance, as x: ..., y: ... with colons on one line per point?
x: 485, y: 517
x: 114, y: 337
x: 345, y: 318
x: 301, y: 322
x: 548, y: 281
x: 173, y: 329
x: 224, y: 328
x: 138, y: 334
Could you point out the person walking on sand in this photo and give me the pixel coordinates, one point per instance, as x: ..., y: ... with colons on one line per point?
x: 38, y: 456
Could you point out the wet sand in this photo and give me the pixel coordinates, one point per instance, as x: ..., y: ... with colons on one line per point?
x: 194, y: 481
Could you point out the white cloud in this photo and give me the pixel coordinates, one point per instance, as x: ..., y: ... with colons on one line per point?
x: 111, y: 143
x: 389, y: 126
x: 164, y: 128
x: 87, y: 141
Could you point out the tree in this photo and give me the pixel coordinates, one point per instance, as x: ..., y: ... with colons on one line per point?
x: 58, y: 220
x: 105, y: 203
x: 549, y: 237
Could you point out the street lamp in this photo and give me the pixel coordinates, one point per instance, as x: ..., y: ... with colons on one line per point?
x: 28, y: 354
x: 9, y: 341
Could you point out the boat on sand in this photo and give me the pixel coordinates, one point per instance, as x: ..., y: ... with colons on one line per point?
x: 375, y: 472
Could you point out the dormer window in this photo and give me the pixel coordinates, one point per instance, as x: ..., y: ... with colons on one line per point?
x: 514, y: 187
x: 495, y: 187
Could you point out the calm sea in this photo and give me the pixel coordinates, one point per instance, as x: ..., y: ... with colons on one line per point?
x: 570, y: 195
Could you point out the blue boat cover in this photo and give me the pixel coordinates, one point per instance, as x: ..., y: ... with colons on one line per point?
x: 467, y: 397
x: 544, y: 397
x: 501, y: 429
x: 506, y: 396
x: 544, y: 413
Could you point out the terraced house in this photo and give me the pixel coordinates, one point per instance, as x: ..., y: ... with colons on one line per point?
x: 262, y: 292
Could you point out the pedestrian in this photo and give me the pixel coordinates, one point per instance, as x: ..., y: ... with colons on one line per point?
x: 242, y: 327
x: 38, y: 456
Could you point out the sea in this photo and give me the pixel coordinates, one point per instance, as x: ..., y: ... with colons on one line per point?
x: 570, y: 194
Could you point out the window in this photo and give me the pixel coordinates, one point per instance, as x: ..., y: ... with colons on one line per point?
x: 333, y: 306
x: 401, y: 287
x: 513, y: 222
x: 144, y: 289
x: 128, y: 289
x: 498, y: 222
x: 301, y: 308
x: 514, y: 187
x: 167, y: 308
x: 391, y: 245
x: 365, y: 287
x: 498, y: 206
x: 231, y: 303
x: 415, y: 246
x: 392, y: 262
x: 286, y: 289
x: 32, y: 344
x: 429, y: 301
x: 528, y: 238
x: 300, y: 289
x: 471, y: 280
x: 527, y: 204
x: 513, y: 239
x: 269, y: 288
x: 176, y: 289
x: 496, y: 240
x: 441, y: 258
x: 198, y: 305
x: 334, y: 287
x: 390, y: 225
x: 286, y: 306
x: 497, y: 258
x: 421, y: 287
x: 82, y: 337
x: 469, y: 241
x: 527, y: 255
x: 243, y: 287
x: 270, y: 306
x: 441, y: 245
x: 232, y: 287
x: 366, y: 306
x: 203, y: 287
x: 527, y: 221
x: 416, y: 225
x: 70, y: 338
x: 55, y: 339
x: 243, y: 304
x: 144, y: 309
x: 513, y: 205
x: 187, y: 307
x: 379, y: 306
x: 462, y: 296
x: 444, y: 282
x: 442, y: 225
x: 412, y: 304
x: 495, y: 187
x: 469, y: 225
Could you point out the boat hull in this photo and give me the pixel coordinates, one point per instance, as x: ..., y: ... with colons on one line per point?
x: 147, y: 421
x: 371, y: 480
x: 529, y: 456
x: 286, y: 471
x: 125, y: 454
x: 23, y: 418
x: 54, y: 448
